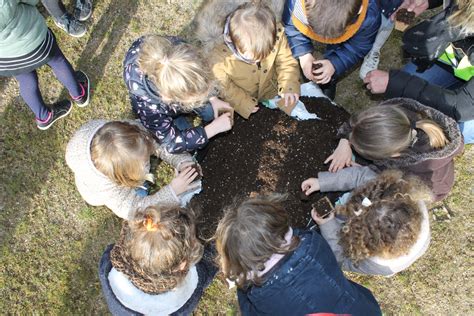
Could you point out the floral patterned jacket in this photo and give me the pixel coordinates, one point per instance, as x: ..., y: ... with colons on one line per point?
x: 156, y: 115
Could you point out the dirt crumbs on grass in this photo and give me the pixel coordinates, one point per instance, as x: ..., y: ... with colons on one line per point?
x: 270, y: 152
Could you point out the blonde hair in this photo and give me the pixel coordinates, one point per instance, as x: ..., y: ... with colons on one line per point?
x: 250, y: 232
x: 463, y: 17
x: 252, y: 29
x: 391, y: 224
x: 121, y: 151
x: 381, y: 132
x: 178, y: 71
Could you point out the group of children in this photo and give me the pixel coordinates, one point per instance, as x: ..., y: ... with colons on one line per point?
x: 249, y: 56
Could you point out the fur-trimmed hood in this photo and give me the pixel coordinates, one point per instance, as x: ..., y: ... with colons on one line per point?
x: 449, y: 126
x: 211, y: 16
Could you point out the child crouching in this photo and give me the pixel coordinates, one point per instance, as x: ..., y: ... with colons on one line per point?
x: 280, y: 270
x: 111, y: 163
x: 383, y: 227
x: 254, y: 63
x: 158, y: 266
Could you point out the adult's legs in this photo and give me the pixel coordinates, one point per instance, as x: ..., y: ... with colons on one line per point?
x: 467, y: 130
x: 436, y: 74
x: 31, y: 94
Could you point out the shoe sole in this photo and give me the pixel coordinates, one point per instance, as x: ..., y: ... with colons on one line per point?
x: 52, y: 123
x: 73, y: 35
x: 86, y: 17
x: 88, y: 93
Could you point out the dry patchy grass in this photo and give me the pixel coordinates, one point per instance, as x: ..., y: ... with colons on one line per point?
x: 51, y: 240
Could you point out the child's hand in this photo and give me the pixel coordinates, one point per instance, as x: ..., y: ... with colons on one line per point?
x: 319, y: 220
x: 417, y: 6
x: 188, y: 164
x: 310, y: 185
x: 377, y: 81
x: 181, y: 183
x: 221, y: 124
x: 324, y: 74
x: 306, y: 62
x: 290, y: 98
x: 341, y: 157
x: 218, y: 104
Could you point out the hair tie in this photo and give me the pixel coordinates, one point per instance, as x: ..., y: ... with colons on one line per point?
x: 366, y: 202
x: 149, y: 225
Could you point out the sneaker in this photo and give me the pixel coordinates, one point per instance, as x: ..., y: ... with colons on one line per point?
x: 84, y: 82
x: 83, y: 10
x: 371, y: 62
x: 60, y: 109
x: 71, y: 26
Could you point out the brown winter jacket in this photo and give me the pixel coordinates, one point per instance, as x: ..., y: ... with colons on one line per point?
x: 242, y: 84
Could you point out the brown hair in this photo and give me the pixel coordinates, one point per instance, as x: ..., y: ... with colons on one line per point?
x: 178, y: 71
x: 463, y: 17
x: 250, y: 232
x: 330, y: 18
x: 157, y: 248
x: 380, y: 132
x: 252, y: 29
x: 390, y: 226
x: 121, y: 151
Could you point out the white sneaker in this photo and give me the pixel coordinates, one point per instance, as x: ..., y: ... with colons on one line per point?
x: 371, y: 62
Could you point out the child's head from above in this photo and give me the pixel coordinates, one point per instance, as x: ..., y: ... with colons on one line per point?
x: 381, y: 132
x: 121, y: 151
x: 330, y: 18
x: 250, y: 232
x: 252, y: 29
x: 388, y: 223
x: 177, y: 70
x: 158, y: 242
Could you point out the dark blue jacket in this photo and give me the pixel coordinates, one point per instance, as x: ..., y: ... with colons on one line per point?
x: 306, y: 281
x: 156, y: 115
x: 389, y: 6
x: 345, y: 55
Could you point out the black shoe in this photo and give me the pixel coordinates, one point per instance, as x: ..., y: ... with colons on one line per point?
x: 329, y: 90
x: 60, y: 109
x: 84, y: 82
x: 71, y: 26
x: 83, y: 10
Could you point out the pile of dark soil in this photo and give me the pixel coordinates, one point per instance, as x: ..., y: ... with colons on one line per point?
x: 405, y: 16
x: 270, y: 152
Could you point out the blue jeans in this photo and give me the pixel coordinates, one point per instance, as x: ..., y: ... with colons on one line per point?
x: 206, y: 113
x: 444, y: 78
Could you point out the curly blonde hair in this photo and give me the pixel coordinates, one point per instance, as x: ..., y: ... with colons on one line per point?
x: 390, y: 226
x: 178, y: 71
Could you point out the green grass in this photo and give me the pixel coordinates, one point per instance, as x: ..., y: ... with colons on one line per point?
x: 51, y: 240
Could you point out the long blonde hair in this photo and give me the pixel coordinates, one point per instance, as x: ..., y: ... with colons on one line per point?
x: 178, y: 71
x: 463, y: 17
x: 381, y: 132
x: 121, y: 151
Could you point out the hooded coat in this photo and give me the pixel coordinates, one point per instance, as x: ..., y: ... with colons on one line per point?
x: 243, y: 85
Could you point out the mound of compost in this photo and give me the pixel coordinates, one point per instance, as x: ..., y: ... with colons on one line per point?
x: 270, y: 152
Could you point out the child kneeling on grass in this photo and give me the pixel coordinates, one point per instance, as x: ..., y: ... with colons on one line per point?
x: 280, y: 270
x: 166, y: 80
x: 254, y: 63
x: 403, y: 134
x: 111, y: 163
x: 158, y: 266
x: 383, y: 227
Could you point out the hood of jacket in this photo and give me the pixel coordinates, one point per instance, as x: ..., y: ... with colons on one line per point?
x: 449, y: 126
x: 210, y: 19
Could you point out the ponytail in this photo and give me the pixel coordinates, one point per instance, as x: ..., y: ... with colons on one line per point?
x: 435, y: 133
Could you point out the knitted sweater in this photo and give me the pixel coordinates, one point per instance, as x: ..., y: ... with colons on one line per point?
x: 97, y: 189
x: 22, y: 27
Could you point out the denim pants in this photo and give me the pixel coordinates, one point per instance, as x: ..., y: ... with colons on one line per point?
x: 444, y: 78
x: 206, y: 113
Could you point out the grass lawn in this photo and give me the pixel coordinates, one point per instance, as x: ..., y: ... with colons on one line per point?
x: 51, y: 240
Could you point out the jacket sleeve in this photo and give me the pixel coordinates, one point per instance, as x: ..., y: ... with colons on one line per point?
x: 434, y: 3
x: 330, y: 231
x: 345, y: 179
x: 299, y: 44
x: 458, y: 103
x: 122, y: 200
x: 174, y: 160
x: 346, y: 55
x: 287, y: 69
x: 238, y: 98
